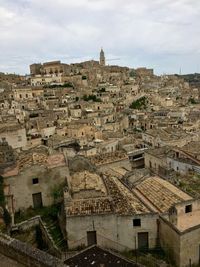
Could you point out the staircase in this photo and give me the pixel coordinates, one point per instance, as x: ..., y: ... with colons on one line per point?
x: 54, y: 231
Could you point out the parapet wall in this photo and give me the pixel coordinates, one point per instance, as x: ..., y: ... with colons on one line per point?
x: 34, y: 221
x: 25, y: 254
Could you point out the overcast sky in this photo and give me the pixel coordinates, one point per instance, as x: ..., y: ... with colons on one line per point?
x: 160, y: 34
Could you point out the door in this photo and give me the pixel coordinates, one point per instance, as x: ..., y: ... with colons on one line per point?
x: 37, y: 200
x: 91, y: 238
x: 143, y: 240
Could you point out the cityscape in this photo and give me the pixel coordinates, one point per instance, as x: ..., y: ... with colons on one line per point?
x: 99, y: 165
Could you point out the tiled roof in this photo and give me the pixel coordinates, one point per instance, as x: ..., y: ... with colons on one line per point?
x: 161, y: 193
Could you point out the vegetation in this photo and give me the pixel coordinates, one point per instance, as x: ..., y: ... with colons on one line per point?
x: 6, y: 214
x: 150, y: 258
x: 49, y: 216
x: 91, y: 98
x: 132, y: 73
x: 2, y: 197
x: 189, y: 183
x: 57, y: 193
x: 102, y: 90
x: 192, y: 79
x: 69, y: 84
x: 192, y: 100
x: 140, y: 103
x: 47, y: 213
x: 38, y: 238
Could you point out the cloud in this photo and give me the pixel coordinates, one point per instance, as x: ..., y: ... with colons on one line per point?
x: 163, y: 34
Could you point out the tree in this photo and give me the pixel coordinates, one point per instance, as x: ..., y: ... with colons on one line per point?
x: 2, y: 196
x: 6, y: 214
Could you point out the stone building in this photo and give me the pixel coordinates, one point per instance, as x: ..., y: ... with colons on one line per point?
x: 31, y: 181
x: 14, y: 134
x: 168, y: 137
x: 180, y: 233
x: 53, y: 67
x: 101, y: 209
x: 182, y: 160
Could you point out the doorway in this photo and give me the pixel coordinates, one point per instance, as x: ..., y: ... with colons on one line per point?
x: 91, y: 238
x: 143, y: 240
x: 37, y: 200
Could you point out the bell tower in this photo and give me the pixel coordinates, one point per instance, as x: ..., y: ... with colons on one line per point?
x: 102, y: 60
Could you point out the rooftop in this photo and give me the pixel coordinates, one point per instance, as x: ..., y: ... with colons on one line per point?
x: 159, y: 193
x: 90, y: 195
x: 167, y: 134
x: 96, y: 256
x: 160, y: 152
x: 87, y: 181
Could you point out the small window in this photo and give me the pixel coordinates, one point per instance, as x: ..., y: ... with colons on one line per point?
x: 19, y: 138
x: 136, y: 222
x: 188, y: 208
x: 35, y: 181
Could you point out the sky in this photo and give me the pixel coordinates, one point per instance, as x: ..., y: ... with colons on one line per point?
x: 159, y: 34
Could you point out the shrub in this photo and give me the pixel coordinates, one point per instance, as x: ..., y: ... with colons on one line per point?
x: 6, y: 217
x: 92, y: 98
x: 140, y: 103
x: 2, y: 197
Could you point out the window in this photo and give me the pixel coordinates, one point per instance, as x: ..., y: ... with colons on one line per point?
x: 188, y: 208
x: 136, y: 222
x: 35, y: 181
x: 19, y: 138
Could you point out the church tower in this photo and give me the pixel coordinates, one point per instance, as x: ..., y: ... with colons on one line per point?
x: 102, y: 60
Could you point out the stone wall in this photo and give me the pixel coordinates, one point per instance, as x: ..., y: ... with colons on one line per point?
x: 170, y: 240
x: 22, y: 187
x: 26, y: 255
x: 28, y: 224
x: 111, y: 230
x: 189, y: 247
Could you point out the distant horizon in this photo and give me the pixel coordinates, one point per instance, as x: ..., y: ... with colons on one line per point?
x: 79, y: 62
x: 107, y: 64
